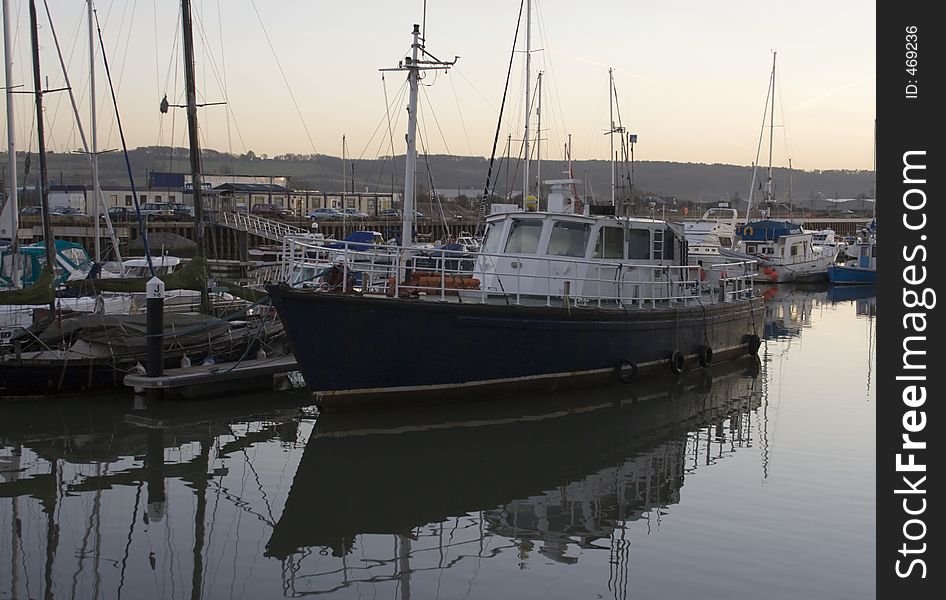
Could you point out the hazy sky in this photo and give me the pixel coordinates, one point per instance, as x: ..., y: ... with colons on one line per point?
x: 691, y: 76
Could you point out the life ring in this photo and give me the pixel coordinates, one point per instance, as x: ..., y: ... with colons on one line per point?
x: 747, y: 231
x: 706, y: 356
x: 627, y: 371
x: 676, y: 362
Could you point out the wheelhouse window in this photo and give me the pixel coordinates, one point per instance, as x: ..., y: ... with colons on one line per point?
x: 524, y: 236
x: 638, y: 244
x: 610, y: 243
x: 794, y: 249
x: 569, y: 239
x: 494, y: 234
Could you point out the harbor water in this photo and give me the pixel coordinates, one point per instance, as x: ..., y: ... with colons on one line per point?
x: 750, y: 479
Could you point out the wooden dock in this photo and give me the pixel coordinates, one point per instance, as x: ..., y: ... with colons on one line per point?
x: 265, y: 374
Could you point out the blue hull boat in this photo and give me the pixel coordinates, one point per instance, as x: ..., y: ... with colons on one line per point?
x: 842, y: 275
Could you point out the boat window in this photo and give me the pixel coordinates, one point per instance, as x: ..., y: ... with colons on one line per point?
x: 794, y: 249
x: 610, y: 243
x: 524, y: 236
x: 669, y: 244
x: 638, y: 244
x: 569, y: 239
x: 492, y: 238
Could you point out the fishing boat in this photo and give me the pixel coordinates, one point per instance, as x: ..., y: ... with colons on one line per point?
x: 553, y: 299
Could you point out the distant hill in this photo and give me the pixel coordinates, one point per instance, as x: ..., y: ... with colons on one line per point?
x: 687, y: 182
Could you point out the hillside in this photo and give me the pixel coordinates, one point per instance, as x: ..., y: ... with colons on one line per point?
x: 685, y: 181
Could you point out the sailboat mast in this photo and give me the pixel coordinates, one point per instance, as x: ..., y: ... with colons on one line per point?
x: 413, y: 77
x: 11, y: 197
x: 768, y: 191
x: 525, y: 171
x: 94, y: 135
x: 41, y: 146
x: 193, y: 136
x: 194, y: 139
x: 538, y: 142
x: 611, y: 135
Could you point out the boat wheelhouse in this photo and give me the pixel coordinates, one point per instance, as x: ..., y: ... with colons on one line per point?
x: 784, y: 250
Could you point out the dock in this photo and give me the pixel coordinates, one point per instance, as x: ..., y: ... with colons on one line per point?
x: 265, y: 374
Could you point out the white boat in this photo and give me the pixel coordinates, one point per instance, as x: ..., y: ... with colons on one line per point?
x: 828, y: 241
x: 784, y: 251
x: 710, y: 234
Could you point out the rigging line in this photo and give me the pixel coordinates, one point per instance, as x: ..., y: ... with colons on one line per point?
x: 436, y: 121
x: 118, y: 38
x: 121, y: 132
x: 382, y: 141
x: 288, y: 87
x: 459, y: 72
x: 431, y: 189
x: 380, y: 123
x: 121, y: 73
x: 390, y: 133
x: 223, y: 64
x: 547, y: 57
x: 456, y: 100
x: 172, y: 64
x: 64, y: 65
x: 499, y: 122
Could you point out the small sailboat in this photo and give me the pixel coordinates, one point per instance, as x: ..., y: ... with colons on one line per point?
x: 785, y: 252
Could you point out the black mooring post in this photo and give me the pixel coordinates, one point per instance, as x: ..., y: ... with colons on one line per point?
x: 154, y: 366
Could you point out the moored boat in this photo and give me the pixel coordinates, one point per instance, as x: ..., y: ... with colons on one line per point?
x: 552, y: 299
x: 785, y: 252
x: 860, y: 271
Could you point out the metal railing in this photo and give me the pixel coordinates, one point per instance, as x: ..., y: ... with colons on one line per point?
x: 395, y: 271
x: 264, y: 228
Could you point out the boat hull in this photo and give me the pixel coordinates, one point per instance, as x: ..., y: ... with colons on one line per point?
x: 355, y: 349
x: 841, y: 275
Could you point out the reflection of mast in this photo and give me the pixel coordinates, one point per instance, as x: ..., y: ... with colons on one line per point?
x: 201, y: 465
x: 404, y: 565
x: 52, y: 530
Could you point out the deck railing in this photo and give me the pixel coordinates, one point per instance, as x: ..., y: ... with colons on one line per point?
x: 395, y: 271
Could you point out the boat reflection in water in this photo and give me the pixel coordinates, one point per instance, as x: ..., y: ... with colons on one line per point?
x: 566, y: 477
x: 103, y: 500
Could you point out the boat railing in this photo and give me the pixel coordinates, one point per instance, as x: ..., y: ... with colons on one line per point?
x: 396, y: 271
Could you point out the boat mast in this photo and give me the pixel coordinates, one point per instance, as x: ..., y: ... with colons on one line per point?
x: 768, y: 191
x: 410, y: 168
x: 525, y: 171
x: 413, y: 64
x: 194, y: 140
x: 538, y: 144
x: 41, y: 148
x: 11, y: 204
x: 611, y: 135
x: 94, y: 135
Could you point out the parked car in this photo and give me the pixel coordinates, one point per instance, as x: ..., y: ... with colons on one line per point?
x: 119, y: 214
x: 354, y: 212
x: 325, y: 213
x: 272, y: 211
x: 155, y: 211
x: 31, y: 210
x: 67, y: 211
x: 182, y: 211
x: 390, y: 213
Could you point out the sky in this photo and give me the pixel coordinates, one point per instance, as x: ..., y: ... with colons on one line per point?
x: 691, y: 77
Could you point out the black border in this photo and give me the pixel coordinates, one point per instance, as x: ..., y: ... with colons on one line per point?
x: 907, y: 124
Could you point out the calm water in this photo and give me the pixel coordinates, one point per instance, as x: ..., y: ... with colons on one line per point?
x: 754, y: 480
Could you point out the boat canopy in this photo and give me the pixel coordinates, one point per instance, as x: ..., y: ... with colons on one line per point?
x: 767, y: 230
